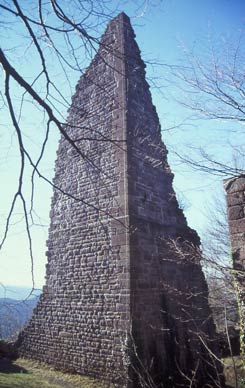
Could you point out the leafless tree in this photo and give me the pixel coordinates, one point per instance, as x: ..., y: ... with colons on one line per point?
x: 211, y: 87
x: 217, y: 264
x: 46, y: 46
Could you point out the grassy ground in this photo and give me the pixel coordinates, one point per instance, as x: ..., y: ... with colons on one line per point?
x: 30, y: 374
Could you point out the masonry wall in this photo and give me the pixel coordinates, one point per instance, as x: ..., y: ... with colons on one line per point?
x: 82, y: 318
x: 235, y: 196
x: 125, y: 297
x: 169, y: 295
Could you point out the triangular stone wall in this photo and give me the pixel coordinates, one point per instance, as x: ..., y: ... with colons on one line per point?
x: 125, y: 297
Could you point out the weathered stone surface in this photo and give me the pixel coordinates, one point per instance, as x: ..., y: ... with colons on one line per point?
x: 235, y: 195
x: 120, y: 302
x: 235, y: 185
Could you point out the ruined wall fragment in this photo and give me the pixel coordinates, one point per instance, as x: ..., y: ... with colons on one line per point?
x: 235, y: 196
x: 120, y: 302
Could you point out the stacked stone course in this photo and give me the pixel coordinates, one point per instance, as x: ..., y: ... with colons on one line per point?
x: 119, y: 302
x: 235, y: 196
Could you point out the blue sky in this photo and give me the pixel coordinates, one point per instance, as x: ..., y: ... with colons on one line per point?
x: 163, y: 33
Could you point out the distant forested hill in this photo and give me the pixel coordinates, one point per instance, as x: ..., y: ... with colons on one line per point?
x: 14, y: 314
x: 17, y: 292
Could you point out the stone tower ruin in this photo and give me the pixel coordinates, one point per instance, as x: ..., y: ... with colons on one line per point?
x: 235, y: 197
x: 125, y: 297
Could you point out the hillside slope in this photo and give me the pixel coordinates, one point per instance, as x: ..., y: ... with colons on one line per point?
x: 14, y: 314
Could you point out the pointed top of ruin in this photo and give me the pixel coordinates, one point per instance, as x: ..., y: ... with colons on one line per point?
x: 123, y: 16
x: 120, y: 26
